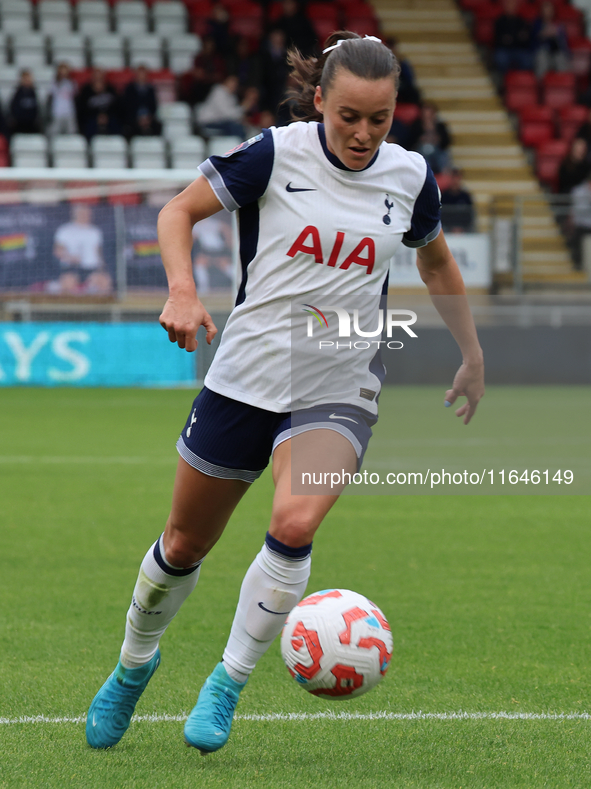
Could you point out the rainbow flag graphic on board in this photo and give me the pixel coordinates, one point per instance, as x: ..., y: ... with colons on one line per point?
x: 13, y: 241
x: 144, y: 249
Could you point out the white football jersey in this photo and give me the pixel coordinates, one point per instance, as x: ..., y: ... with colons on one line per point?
x: 310, y: 228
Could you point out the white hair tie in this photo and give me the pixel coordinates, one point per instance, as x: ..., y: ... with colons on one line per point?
x: 341, y: 40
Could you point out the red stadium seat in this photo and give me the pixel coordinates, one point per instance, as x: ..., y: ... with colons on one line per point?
x: 529, y: 11
x: 571, y: 18
x: 247, y: 26
x: 198, y: 8
x: 326, y: 11
x: 323, y: 28
x: 407, y: 113
x: 520, y: 79
x: 536, y: 125
x: 570, y: 120
x: 244, y: 8
x: 518, y: 97
x: 548, y: 158
x: 535, y: 134
x: 81, y: 76
x: 365, y: 26
x: 536, y: 114
x: 487, y: 10
x: 274, y: 11
x: 559, y: 89
x: 359, y: 10
x: 484, y: 31
x: 484, y: 22
x: 4, y: 161
x: 472, y: 5
x: 120, y: 78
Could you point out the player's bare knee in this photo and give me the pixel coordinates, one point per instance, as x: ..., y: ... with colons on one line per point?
x: 183, y: 550
x: 292, y: 527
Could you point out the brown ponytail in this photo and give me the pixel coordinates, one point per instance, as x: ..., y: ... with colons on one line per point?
x: 362, y: 57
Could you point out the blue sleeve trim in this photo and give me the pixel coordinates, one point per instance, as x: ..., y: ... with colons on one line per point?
x: 242, y: 175
x: 216, y: 182
x: 423, y: 241
x: 425, y: 224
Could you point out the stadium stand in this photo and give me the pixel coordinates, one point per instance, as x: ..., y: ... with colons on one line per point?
x: 29, y: 150
x: 109, y: 151
x: 504, y: 132
x: 185, y: 152
x: 451, y: 71
x: 148, y: 153
x: 69, y: 150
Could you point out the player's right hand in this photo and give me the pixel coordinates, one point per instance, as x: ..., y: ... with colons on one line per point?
x: 182, y: 316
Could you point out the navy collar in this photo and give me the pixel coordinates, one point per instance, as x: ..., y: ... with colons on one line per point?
x: 335, y: 159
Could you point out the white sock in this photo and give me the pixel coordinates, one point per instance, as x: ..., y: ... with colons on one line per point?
x: 159, y: 592
x: 274, y: 584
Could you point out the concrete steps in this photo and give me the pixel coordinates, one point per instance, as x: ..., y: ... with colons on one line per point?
x: 449, y: 71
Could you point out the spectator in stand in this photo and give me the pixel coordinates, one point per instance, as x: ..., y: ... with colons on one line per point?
x: 549, y: 41
x: 218, y: 27
x: 399, y: 133
x: 512, y: 39
x: 99, y: 110
x: 245, y: 63
x: 222, y: 113
x: 297, y: 27
x: 61, y: 103
x: 429, y: 136
x: 140, y: 105
x: 408, y: 92
x: 78, y: 246
x: 251, y: 105
x: 575, y: 166
x: 275, y: 70
x: 580, y: 219
x: 584, y: 96
x: 208, y: 69
x: 3, y: 127
x: 287, y: 108
x: 584, y: 132
x: 24, y: 107
x: 457, y: 210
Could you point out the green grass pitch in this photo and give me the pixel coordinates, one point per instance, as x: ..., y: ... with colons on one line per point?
x: 489, y: 598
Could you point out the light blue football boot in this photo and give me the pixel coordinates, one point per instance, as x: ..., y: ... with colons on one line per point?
x: 111, y: 709
x: 208, y: 726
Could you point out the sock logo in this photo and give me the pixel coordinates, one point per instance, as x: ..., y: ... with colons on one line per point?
x: 279, y: 613
x: 136, y: 605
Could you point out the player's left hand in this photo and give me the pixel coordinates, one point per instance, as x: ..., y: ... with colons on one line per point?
x: 469, y: 383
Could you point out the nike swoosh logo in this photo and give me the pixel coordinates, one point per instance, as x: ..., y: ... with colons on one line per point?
x: 279, y: 613
x: 291, y: 188
x: 93, y: 720
x: 335, y: 416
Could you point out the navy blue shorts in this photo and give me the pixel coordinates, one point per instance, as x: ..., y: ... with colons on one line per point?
x: 232, y: 440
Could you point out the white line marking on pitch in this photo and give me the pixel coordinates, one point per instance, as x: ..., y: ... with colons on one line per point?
x: 333, y: 716
x: 84, y: 459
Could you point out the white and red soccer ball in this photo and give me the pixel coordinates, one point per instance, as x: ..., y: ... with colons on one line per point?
x: 336, y: 644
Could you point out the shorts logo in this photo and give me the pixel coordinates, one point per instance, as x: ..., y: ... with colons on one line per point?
x: 193, y: 420
x: 348, y: 418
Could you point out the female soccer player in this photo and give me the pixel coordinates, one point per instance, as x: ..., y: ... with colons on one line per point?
x: 323, y: 207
